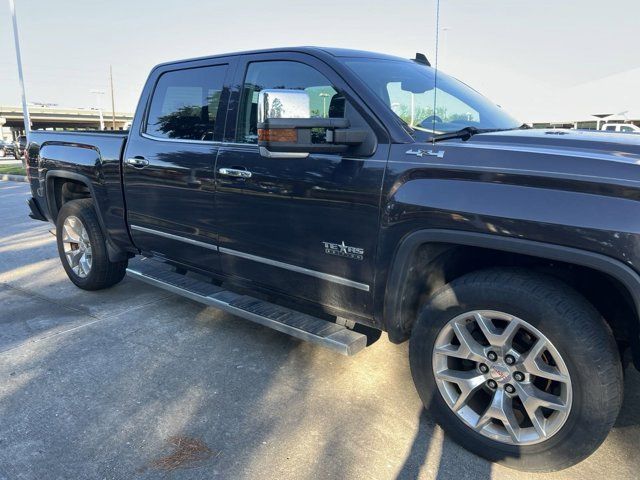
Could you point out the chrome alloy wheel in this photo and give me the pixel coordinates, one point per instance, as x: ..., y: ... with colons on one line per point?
x: 77, y: 247
x: 502, y: 377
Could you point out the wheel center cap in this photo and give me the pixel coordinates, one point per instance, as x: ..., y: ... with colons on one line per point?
x: 500, y: 373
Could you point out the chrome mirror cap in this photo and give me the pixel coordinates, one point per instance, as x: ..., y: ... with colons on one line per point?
x: 281, y: 103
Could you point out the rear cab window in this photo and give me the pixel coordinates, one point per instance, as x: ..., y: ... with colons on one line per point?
x: 185, y: 104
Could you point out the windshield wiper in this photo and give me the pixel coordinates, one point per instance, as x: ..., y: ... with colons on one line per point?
x: 465, y: 133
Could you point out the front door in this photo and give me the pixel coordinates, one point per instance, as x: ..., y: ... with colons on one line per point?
x: 169, y: 164
x: 306, y: 227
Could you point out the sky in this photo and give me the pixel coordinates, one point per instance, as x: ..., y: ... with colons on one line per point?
x: 526, y: 55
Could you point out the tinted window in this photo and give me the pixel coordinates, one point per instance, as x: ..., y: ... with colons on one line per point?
x: 416, y: 109
x: 611, y: 128
x: 626, y: 129
x: 324, y: 99
x: 409, y: 90
x: 185, y: 103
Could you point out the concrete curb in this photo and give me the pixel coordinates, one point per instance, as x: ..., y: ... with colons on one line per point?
x: 13, y: 178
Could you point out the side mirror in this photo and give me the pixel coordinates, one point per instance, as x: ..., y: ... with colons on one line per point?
x: 287, y: 130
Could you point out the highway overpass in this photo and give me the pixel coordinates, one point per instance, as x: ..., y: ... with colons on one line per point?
x: 57, y: 118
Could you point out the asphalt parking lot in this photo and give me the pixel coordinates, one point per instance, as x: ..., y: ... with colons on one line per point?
x: 136, y: 383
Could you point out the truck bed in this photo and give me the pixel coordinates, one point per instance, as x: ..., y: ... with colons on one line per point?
x: 92, y: 158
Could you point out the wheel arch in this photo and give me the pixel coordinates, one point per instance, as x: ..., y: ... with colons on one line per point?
x: 54, y: 205
x: 54, y: 202
x: 442, y: 245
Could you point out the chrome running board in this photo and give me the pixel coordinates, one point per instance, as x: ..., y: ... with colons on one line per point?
x: 300, y: 325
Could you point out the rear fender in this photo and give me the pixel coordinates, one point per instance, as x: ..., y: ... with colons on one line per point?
x: 115, y: 254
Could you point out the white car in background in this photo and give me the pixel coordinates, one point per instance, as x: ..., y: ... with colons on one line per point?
x: 621, y: 127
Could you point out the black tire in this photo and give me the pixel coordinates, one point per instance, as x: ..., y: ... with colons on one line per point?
x: 103, y: 272
x: 581, y: 336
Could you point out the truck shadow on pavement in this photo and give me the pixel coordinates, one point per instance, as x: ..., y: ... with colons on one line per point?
x: 104, y: 400
x: 428, y: 461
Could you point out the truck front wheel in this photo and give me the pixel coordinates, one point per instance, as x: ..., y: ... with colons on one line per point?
x: 82, y: 247
x: 518, y: 368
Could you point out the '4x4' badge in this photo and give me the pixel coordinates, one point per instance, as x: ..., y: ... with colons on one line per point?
x: 422, y: 153
x: 343, y: 250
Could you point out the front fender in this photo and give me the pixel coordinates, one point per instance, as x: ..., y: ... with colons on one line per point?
x: 405, y: 253
x: 601, y: 223
x: 504, y: 205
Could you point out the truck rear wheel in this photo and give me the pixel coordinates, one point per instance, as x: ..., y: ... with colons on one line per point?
x: 518, y: 368
x: 82, y: 247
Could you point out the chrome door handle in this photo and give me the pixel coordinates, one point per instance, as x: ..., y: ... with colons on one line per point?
x: 137, y: 162
x: 235, y: 172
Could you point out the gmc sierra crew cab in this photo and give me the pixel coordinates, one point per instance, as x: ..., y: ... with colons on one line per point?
x: 333, y: 194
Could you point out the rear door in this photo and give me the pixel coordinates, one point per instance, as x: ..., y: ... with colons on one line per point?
x: 305, y: 227
x: 169, y: 163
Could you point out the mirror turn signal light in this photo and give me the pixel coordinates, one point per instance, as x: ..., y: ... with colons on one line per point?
x: 287, y: 135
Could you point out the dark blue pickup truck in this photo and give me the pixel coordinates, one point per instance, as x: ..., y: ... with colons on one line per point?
x: 334, y: 194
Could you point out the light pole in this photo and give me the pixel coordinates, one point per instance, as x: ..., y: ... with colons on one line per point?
x: 444, y: 43
x: 113, y: 102
x: 413, y: 108
x: 324, y: 96
x: 99, y: 94
x: 25, y: 109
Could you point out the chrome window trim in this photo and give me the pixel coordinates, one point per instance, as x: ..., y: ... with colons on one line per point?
x: 171, y: 236
x: 179, y: 140
x: 267, y: 261
x: 254, y: 146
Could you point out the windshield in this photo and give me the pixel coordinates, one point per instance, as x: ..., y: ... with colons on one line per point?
x: 408, y: 89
